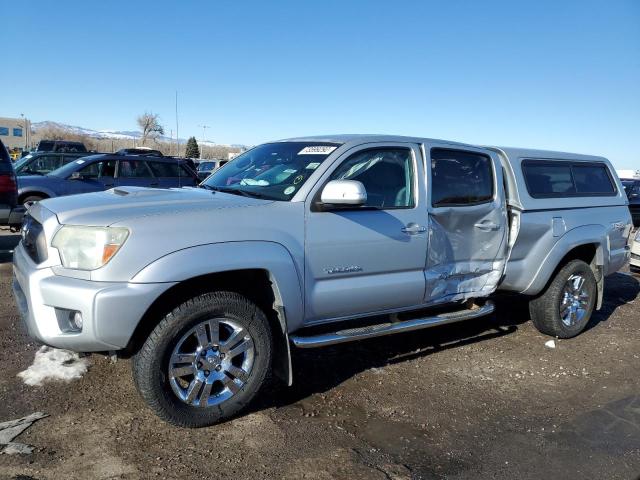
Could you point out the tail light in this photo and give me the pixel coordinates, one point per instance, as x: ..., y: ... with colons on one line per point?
x: 8, y: 183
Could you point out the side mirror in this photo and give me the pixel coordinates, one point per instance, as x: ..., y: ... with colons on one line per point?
x: 75, y: 176
x: 344, y: 193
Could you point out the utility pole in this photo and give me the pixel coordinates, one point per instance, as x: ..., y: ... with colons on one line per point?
x: 177, y: 129
x: 204, y: 130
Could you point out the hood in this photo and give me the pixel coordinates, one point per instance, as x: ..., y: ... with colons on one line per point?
x: 46, y: 180
x: 124, y: 203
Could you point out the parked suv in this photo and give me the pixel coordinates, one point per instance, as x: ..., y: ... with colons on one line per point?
x: 41, y: 163
x: 206, y: 167
x: 10, y: 213
x: 60, y: 146
x: 632, y: 187
x: 100, y: 172
x: 310, y: 242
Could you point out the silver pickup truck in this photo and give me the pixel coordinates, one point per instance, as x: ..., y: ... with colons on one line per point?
x: 310, y: 242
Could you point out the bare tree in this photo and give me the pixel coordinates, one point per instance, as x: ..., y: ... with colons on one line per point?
x: 149, y: 123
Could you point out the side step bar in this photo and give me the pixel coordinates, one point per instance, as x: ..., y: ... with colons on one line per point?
x: 379, y: 330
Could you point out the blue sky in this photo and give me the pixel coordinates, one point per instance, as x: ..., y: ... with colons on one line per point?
x: 547, y: 74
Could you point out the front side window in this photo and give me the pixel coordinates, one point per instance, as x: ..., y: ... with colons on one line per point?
x: 460, y: 178
x: 386, y: 173
x: 273, y: 171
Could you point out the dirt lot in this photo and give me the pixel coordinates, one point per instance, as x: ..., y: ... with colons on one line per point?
x: 485, y: 399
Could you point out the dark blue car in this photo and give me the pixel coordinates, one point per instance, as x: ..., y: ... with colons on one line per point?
x: 101, y: 172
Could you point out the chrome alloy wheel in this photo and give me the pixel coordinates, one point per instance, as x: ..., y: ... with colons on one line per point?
x: 211, y: 362
x: 575, y: 301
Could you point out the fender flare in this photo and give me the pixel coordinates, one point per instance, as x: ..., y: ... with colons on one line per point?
x: 274, y: 258
x: 35, y: 190
x: 583, y: 235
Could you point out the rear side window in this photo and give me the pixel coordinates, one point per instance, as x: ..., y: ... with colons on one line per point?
x: 546, y: 179
x: 133, y: 169
x: 165, y: 169
x: 592, y: 179
x: 5, y: 160
x: 460, y: 178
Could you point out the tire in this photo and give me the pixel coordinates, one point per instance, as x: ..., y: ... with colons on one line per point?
x: 167, y: 374
x: 32, y: 199
x: 562, y: 310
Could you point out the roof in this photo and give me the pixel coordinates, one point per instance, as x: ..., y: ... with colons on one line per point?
x: 114, y: 156
x: 512, y: 152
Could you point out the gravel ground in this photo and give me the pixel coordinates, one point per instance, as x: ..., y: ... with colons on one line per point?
x: 484, y: 399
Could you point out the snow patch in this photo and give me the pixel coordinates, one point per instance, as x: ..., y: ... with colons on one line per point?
x: 52, y: 364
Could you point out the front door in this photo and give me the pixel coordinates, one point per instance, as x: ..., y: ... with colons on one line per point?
x: 467, y: 224
x: 368, y: 259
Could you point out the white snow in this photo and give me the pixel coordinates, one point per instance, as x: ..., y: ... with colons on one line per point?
x: 52, y: 364
x: 550, y: 344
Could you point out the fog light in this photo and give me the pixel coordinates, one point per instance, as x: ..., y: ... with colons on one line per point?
x: 75, y: 319
x: 69, y: 321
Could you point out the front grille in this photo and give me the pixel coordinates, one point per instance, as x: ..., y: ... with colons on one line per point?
x: 33, y: 239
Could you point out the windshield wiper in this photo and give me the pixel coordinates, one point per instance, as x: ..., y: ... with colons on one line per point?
x: 237, y: 191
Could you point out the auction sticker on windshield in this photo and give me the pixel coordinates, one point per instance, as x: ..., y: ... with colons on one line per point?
x: 317, y: 150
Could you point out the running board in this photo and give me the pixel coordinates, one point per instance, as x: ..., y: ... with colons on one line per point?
x: 379, y: 330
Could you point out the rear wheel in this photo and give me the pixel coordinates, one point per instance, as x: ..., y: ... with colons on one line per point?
x: 565, y: 308
x: 205, y: 361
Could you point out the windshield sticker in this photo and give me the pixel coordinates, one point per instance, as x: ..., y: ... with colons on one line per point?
x: 80, y: 162
x: 298, y: 179
x: 290, y: 170
x: 289, y: 190
x: 317, y: 150
x: 313, y: 166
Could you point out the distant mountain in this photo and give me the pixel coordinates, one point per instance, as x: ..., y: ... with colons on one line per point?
x: 115, y: 134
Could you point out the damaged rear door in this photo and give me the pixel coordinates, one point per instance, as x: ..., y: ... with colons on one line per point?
x: 467, y: 223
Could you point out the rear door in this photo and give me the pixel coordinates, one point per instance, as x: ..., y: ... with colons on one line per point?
x: 467, y: 223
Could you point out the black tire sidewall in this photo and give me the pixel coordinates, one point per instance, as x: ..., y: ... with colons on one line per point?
x: 151, y: 363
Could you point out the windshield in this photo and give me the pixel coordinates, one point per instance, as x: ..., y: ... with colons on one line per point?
x: 20, y: 163
x: 274, y: 171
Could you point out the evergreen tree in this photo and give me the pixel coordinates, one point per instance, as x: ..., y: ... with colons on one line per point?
x: 192, y: 148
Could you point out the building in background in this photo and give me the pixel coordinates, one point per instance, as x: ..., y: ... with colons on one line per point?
x: 15, y: 133
x: 628, y: 173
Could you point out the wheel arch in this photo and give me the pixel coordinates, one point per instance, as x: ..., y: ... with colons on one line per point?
x: 587, y: 243
x: 264, y: 272
x: 28, y: 193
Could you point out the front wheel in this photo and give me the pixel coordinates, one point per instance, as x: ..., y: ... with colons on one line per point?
x: 205, y: 361
x: 565, y: 308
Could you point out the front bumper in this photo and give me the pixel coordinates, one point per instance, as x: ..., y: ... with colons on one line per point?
x: 111, y: 310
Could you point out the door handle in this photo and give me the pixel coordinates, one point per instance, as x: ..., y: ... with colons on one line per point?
x: 413, y: 228
x: 487, y: 226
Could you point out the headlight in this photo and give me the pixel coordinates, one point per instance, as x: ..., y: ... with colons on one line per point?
x: 88, y: 248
